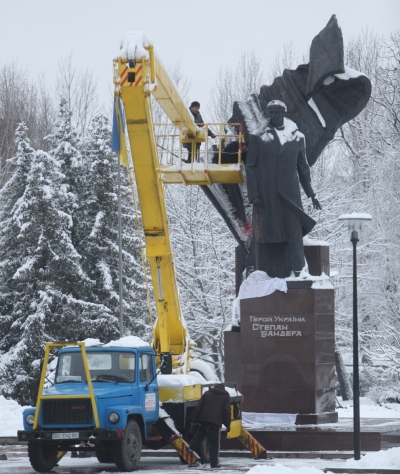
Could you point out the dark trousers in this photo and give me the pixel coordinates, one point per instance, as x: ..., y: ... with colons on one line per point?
x: 188, y: 147
x: 280, y: 258
x: 213, y: 432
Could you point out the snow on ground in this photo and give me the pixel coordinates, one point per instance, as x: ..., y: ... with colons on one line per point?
x: 389, y: 459
x: 279, y: 468
x: 369, y: 409
x: 11, y: 421
x: 17, y: 464
x: 11, y: 413
x: 229, y: 465
x: 10, y: 417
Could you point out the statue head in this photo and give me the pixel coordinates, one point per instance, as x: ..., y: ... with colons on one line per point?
x: 276, y: 112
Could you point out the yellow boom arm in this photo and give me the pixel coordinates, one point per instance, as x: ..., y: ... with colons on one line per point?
x: 135, y: 79
x: 138, y: 74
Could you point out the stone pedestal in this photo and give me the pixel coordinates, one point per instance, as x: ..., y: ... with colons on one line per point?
x: 317, y: 257
x: 283, y: 358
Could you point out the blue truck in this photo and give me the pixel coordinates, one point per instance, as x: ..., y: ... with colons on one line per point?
x: 109, y: 399
x: 104, y: 399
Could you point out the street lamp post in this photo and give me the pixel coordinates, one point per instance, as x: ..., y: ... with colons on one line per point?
x: 354, y: 222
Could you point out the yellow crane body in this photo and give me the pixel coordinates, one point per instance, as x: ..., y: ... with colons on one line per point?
x: 136, y: 79
x: 137, y: 76
x: 169, y: 332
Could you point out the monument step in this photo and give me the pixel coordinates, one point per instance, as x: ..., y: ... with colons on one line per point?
x: 18, y: 450
x: 309, y: 439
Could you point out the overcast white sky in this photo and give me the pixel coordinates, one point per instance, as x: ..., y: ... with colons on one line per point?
x: 204, y: 35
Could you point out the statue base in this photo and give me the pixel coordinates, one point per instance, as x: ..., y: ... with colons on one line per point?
x: 283, y: 357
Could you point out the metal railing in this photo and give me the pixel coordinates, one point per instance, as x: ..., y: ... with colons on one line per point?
x: 171, y: 149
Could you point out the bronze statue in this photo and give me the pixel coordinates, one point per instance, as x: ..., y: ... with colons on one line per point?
x: 320, y: 97
x: 276, y: 162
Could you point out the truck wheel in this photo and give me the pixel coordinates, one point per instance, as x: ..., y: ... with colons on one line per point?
x: 42, y: 455
x: 104, y: 452
x: 127, y: 451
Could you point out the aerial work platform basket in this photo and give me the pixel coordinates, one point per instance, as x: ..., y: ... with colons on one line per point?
x: 210, y: 165
x: 202, y: 174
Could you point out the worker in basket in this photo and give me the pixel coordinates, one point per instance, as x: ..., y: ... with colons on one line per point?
x: 195, y: 109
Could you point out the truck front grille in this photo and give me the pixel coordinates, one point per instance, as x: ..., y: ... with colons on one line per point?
x: 69, y: 411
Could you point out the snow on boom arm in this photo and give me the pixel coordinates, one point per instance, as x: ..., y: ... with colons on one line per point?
x: 137, y: 74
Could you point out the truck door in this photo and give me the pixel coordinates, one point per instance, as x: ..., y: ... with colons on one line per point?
x: 148, y: 387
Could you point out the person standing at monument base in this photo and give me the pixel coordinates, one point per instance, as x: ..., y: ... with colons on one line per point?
x: 276, y: 163
x: 213, y: 410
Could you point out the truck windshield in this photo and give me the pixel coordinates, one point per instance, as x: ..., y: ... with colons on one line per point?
x: 104, y: 366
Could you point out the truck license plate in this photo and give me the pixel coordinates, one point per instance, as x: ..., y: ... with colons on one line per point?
x: 65, y: 435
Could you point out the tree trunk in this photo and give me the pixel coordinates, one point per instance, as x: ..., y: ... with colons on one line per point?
x: 345, y: 386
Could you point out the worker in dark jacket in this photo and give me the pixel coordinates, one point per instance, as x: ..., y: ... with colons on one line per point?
x: 198, y: 119
x: 230, y: 154
x: 213, y: 410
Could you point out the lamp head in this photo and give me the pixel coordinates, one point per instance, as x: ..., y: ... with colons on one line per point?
x: 354, y: 221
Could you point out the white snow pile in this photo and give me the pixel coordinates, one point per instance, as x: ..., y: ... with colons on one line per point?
x: 127, y: 341
x: 204, y: 369
x: 90, y: 342
x: 232, y: 391
x: 177, y: 381
x: 322, y: 282
x: 281, y: 469
x: 133, y: 45
x: 11, y: 417
x: 389, y: 459
x: 307, y: 241
x: 349, y: 73
x: 355, y: 215
x: 167, y: 420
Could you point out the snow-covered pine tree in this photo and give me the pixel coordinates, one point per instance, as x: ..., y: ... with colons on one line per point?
x: 97, y: 231
x: 48, y: 281
x: 64, y: 143
x: 10, y: 196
